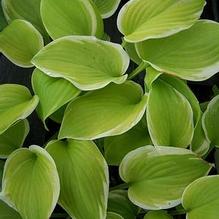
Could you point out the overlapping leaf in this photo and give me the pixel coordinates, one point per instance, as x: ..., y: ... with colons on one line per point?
x: 85, y: 61
x: 84, y: 178
x: 6, y: 212
x: 183, y: 55
x: 13, y: 138
x: 201, y: 198
x: 140, y: 20
x: 19, y: 42
x: 157, y: 215
x: 113, y: 215
x: 119, y: 203
x: 64, y: 18
x: 131, y: 50
x: 157, y: 176
x: 210, y: 121
x: 16, y: 104
x: 107, y: 7
x: 169, y: 116
x: 53, y: 93
x: 24, y: 9
x: 116, y: 147
x: 110, y: 111
x: 31, y: 183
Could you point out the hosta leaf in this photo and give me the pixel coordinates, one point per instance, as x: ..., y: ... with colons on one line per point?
x: 210, y: 121
x: 113, y: 215
x: 19, y: 42
x: 30, y: 183
x: 52, y: 92
x: 169, y: 116
x: 200, y: 145
x: 16, y: 104
x: 13, y: 138
x: 201, y: 198
x: 106, y: 112
x: 131, y: 50
x: 87, y: 62
x: 24, y: 9
x: 3, y: 22
x: 140, y: 20
x: 84, y: 178
x: 107, y: 7
x: 157, y: 215
x: 116, y: 147
x: 58, y: 115
x: 64, y: 18
x: 184, y: 89
x: 7, y: 212
x: 157, y: 176
x: 119, y: 203
x: 2, y: 163
x: 183, y: 55
x: 151, y: 76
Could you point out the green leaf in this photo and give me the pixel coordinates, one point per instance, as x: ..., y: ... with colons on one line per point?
x: 201, y: 198
x: 131, y: 50
x: 119, y: 203
x: 7, y: 212
x: 19, y: 42
x: 157, y: 215
x: 58, y: 115
x: 16, y: 104
x: 65, y: 18
x: 31, y: 183
x: 183, y: 55
x: 200, y: 145
x: 107, y: 7
x: 2, y: 163
x: 157, y: 176
x: 116, y: 147
x: 140, y: 20
x: 13, y: 138
x: 169, y: 116
x: 87, y: 62
x: 151, y: 76
x: 53, y: 93
x: 3, y: 22
x: 184, y: 89
x: 84, y: 178
x: 25, y: 10
x: 110, y: 111
x: 210, y: 121
x: 113, y: 215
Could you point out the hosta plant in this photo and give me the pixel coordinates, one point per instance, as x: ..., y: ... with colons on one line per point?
x: 133, y: 140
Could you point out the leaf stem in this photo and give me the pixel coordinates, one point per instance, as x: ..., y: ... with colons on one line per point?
x: 138, y: 70
x: 120, y: 186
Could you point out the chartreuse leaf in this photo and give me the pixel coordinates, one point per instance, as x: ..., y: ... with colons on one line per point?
x: 110, y: 111
x: 157, y: 215
x: 107, y: 7
x: 180, y: 54
x: 119, y: 203
x: 200, y: 145
x: 113, y: 215
x: 157, y: 176
x: 87, y: 62
x: 31, y: 183
x: 64, y: 18
x: 19, y: 42
x: 151, y: 76
x: 16, y: 104
x: 84, y: 178
x: 210, y: 121
x: 169, y: 116
x: 201, y: 198
x: 140, y: 20
x: 131, y: 50
x: 3, y: 22
x: 7, y: 212
x: 52, y: 92
x: 13, y: 138
x: 58, y: 115
x: 116, y: 147
x: 24, y: 9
